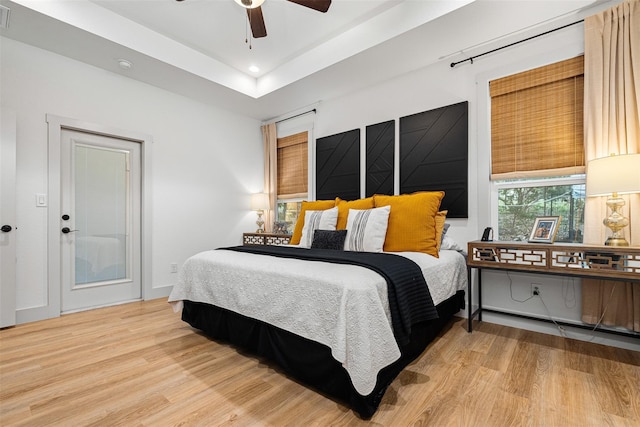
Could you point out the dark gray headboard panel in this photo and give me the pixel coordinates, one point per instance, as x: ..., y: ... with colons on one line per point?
x: 380, y: 149
x: 434, y: 155
x: 338, y: 166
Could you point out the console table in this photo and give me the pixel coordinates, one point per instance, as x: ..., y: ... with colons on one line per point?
x: 265, y: 239
x: 572, y: 260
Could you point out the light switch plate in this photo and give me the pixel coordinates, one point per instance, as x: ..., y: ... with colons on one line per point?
x: 41, y: 200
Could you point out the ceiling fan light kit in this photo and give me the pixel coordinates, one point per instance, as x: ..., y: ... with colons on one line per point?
x: 249, y: 4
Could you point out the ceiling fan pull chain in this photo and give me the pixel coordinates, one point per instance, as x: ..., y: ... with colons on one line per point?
x: 247, y: 35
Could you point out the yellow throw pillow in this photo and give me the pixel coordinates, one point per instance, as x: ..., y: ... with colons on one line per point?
x: 441, y: 217
x: 318, y: 205
x: 344, y: 206
x: 412, y: 224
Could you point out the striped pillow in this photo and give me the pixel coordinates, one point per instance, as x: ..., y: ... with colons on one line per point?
x: 366, y: 229
x: 317, y: 220
x: 318, y: 205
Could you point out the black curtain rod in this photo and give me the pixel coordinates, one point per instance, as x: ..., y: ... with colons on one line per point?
x: 297, y: 115
x: 470, y: 59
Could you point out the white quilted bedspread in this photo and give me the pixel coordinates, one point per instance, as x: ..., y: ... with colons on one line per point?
x: 344, y: 307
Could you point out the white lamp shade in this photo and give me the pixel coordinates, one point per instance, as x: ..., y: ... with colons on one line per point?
x: 249, y: 4
x: 260, y: 202
x: 614, y: 174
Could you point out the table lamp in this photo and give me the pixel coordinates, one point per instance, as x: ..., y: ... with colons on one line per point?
x: 611, y: 176
x: 260, y: 203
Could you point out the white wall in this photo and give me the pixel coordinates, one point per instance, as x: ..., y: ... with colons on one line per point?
x: 205, y: 161
x: 439, y: 85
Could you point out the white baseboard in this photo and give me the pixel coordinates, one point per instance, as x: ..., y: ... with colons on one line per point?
x: 155, y: 293
x: 626, y: 342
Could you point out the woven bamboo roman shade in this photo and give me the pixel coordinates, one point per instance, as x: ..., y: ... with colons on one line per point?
x: 537, y: 122
x: 293, y: 168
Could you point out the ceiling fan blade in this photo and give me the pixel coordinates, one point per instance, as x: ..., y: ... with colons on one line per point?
x: 258, y: 29
x: 319, y: 5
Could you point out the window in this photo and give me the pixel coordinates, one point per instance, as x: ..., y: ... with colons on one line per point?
x: 292, y: 179
x: 521, y: 201
x: 537, y: 149
x: 287, y: 213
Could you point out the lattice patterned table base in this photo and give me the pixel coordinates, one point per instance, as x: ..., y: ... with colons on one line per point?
x: 571, y: 260
x: 265, y: 239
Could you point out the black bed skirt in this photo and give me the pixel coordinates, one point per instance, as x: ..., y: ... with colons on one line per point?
x: 311, y: 362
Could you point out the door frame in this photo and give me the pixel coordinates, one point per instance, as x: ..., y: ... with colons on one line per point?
x: 8, y: 217
x: 55, y: 126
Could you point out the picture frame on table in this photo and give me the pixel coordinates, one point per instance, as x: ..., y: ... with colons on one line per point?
x: 281, y: 227
x: 544, y: 229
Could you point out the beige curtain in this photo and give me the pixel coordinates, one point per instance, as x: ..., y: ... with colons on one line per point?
x: 612, y: 125
x: 270, y: 141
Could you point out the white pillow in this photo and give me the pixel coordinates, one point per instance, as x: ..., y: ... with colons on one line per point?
x: 317, y: 220
x: 448, y: 244
x: 366, y: 229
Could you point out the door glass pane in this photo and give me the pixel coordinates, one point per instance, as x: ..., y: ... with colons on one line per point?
x: 101, y: 214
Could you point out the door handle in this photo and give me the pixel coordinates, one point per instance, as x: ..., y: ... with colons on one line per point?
x: 67, y: 230
x: 6, y: 228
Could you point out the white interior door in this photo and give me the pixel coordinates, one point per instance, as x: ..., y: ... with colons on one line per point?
x: 100, y: 221
x: 7, y: 218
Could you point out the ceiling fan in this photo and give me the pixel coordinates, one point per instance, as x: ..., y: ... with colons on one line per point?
x: 256, y: 20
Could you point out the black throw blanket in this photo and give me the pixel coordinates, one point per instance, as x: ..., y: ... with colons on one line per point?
x: 409, y: 298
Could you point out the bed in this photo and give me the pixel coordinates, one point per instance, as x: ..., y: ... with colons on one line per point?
x: 344, y: 322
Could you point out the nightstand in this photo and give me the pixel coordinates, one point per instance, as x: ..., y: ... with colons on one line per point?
x: 265, y: 239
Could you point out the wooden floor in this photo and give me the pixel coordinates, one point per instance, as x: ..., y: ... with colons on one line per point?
x: 138, y: 364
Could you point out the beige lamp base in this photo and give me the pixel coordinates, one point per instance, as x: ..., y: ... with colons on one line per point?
x: 616, y: 221
x: 260, y: 222
x: 616, y: 241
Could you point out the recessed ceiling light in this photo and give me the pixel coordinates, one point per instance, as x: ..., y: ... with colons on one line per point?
x: 124, y: 64
x: 254, y: 69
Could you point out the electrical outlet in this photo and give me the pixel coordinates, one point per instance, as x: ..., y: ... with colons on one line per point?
x: 535, y: 289
x: 174, y: 267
